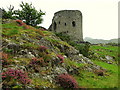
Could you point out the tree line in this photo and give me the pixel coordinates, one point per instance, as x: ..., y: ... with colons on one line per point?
x: 28, y: 14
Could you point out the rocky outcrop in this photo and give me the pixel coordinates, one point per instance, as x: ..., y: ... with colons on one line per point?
x: 41, y: 54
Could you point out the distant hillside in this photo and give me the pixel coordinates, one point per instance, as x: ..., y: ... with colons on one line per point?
x: 96, y: 41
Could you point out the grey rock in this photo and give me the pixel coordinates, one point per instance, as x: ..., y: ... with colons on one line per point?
x: 22, y: 52
x: 14, y: 47
x: 59, y: 70
x: 109, y: 57
x: 71, y: 51
x: 49, y: 77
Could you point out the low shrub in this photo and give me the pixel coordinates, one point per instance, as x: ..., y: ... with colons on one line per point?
x: 4, y: 59
x: 37, y: 62
x: 66, y: 81
x: 19, y: 75
x: 21, y: 23
x: 99, y: 72
x: 61, y: 58
x: 63, y: 36
x: 83, y: 47
x: 43, y: 48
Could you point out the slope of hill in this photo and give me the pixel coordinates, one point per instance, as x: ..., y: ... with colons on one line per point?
x: 97, y: 41
x: 33, y: 58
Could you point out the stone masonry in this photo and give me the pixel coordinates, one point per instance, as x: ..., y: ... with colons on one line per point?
x: 68, y: 22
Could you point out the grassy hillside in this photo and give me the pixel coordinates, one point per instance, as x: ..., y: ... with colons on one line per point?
x: 102, y: 52
x: 33, y: 58
x: 110, y: 78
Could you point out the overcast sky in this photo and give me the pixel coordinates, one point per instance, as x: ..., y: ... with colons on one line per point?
x: 100, y: 17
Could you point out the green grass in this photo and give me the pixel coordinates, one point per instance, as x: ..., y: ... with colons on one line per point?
x: 70, y: 63
x: 110, y: 67
x: 91, y: 80
x: 103, y: 51
x: 47, y: 33
x: 110, y: 79
x: 56, y: 41
x: 30, y: 45
x: 85, y: 79
x: 40, y: 83
x: 10, y: 29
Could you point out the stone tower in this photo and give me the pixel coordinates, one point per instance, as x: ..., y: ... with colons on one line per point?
x: 68, y: 22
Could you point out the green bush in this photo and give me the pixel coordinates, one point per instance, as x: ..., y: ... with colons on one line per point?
x: 28, y: 14
x: 63, y: 37
x: 113, y: 44
x: 83, y: 47
x: 8, y: 14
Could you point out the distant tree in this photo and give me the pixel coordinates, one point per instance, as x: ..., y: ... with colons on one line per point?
x: 8, y: 14
x: 29, y: 14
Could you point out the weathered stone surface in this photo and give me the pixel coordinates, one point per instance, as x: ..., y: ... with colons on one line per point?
x: 59, y: 70
x: 109, y: 57
x: 68, y: 22
x: 26, y: 48
x: 71, y: 51
x: 14, y: 47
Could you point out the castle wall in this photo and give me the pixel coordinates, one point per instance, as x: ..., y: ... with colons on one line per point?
x: 68, y: 22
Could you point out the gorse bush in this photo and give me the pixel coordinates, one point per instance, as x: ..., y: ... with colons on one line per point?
x: 19, y: 75
x: 66, y: 81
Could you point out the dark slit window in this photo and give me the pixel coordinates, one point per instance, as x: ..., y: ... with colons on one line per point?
x: 65, y: 24
x: 59, y: 22
x: 55, y: 26
x: 73, y: 24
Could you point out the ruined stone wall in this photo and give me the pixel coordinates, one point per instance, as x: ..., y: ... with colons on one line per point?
x: 68, y: 22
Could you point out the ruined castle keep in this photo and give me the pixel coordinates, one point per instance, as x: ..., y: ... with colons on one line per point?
x: 68, y: 22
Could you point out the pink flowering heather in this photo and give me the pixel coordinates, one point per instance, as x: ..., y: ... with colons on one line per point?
x: 16, y: 74
x: 4, y: 59
x: 43, y: 48
x: 37, y: 62
x: 20, y: 22
x: 66, y: 81
x: 61, y: 58
x: 33, y: 61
